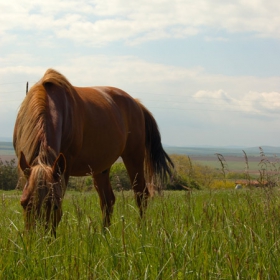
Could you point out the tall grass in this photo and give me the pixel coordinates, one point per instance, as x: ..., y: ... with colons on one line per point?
x: 185, y: 235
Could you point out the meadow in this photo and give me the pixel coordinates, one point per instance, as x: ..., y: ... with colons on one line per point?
x: 207, y: 234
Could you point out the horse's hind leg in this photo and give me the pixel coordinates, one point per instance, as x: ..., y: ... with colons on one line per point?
x: 135, y: 169
x: 106, y: 195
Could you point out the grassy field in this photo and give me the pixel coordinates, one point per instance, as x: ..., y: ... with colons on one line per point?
x: 234, y: 157
x: 234, y: 163
x: 226, y: 151
x: 185, y: 235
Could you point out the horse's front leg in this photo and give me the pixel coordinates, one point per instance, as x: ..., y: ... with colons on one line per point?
x: 106, y: 195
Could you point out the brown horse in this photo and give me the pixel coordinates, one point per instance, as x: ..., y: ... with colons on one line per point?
x: 63, y: 131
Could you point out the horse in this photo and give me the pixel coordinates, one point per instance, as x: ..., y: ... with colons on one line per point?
x: 62, y: 130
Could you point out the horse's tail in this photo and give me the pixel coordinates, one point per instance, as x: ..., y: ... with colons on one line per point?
x: 157, y: 162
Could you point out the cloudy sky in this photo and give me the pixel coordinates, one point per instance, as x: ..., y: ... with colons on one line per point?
x: 209, y: 70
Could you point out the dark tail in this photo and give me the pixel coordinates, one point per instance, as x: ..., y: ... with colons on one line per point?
x: 157, y: 162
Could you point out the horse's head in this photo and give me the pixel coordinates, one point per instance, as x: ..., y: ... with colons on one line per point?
x: 42, y: 194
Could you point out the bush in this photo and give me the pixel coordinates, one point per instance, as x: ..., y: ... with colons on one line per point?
x: 120, y: 180
x: 222, y: 184
x: 190, y: 174
x: 119, y: 177
x: 180, y: 183
x: 187, y: 175
x: 8, y: 175
x: 80, y: 183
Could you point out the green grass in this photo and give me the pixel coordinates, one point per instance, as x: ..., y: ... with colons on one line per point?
x: 237, y: 165
x: 199, y: 235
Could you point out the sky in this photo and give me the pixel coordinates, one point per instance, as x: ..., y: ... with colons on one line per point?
x: 208, y: 70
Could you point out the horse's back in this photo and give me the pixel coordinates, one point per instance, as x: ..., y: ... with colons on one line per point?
x: 112, y: 104
x: 112, y: 120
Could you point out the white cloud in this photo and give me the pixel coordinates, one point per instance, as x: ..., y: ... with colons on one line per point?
x: 252, y: 103
x: 102, y: 21
x: 265, y: 102
x: 219, y: 95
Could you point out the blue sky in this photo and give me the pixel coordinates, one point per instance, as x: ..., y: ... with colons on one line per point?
x: 209, y: 70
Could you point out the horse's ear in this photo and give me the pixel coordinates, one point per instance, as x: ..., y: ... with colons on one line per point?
x: 59, y: 165
x: 24, y: 166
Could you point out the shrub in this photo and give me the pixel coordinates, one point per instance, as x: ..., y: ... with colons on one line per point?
x: 187, y: 175
x: 119, y: 177
x: 222, y: 184
x: 80, y: 183
x: 191, y: 174
x: 8, y: 175
x: 180, y: 183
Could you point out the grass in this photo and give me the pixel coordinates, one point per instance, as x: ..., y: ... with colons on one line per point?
x: 223, y: 234
x: 237, y: 164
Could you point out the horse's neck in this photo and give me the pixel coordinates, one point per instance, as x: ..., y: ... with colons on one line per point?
x: 46, y: 155
x: 55, y: 120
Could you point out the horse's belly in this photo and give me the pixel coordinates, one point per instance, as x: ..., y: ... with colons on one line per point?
x: 96, y: 159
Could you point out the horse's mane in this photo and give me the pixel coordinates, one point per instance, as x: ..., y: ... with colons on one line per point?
x: 30, y: 127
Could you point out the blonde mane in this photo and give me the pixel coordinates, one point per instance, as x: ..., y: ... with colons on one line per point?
x: 30, y: 127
